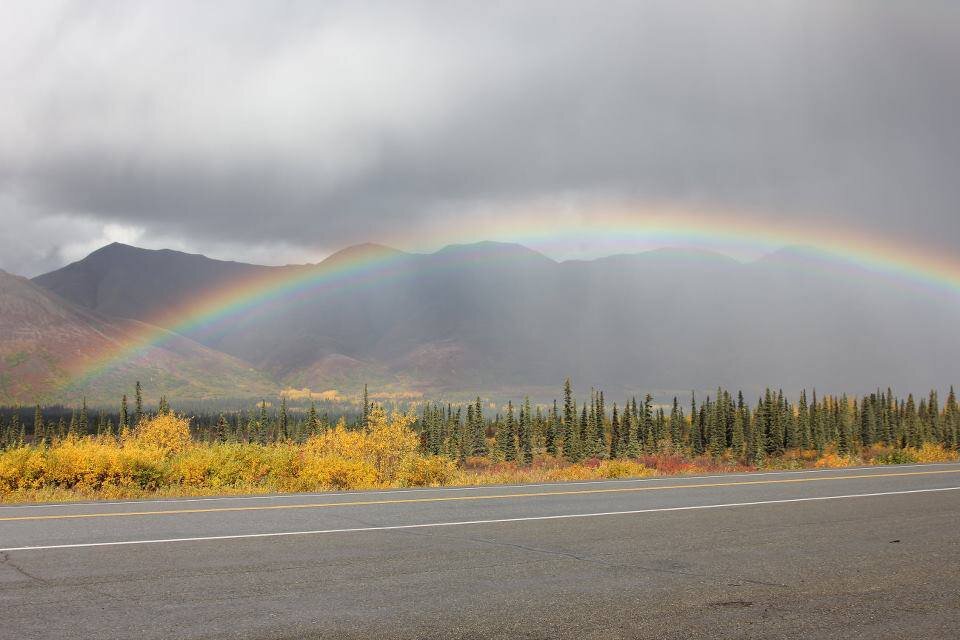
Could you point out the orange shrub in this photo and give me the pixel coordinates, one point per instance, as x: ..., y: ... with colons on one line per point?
x: 831, y: 460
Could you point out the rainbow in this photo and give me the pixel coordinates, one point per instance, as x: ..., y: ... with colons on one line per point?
x: 555, y: 234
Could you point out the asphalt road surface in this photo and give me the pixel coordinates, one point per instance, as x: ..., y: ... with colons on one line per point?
x: 854, y: 553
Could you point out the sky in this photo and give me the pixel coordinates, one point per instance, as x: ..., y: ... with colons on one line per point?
x: 278, y: 132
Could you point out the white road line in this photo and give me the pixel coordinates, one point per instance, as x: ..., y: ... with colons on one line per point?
x: 280, y: 534
x: 492, y: 487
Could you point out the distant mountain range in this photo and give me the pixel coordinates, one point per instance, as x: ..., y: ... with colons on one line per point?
x: 490, y: 318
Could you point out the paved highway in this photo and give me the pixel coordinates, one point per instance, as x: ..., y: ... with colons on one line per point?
x: 854, y: 553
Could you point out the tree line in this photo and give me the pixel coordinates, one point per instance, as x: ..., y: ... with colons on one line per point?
x: 721, y: 424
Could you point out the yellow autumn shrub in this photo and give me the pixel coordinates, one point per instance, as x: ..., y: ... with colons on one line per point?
x: 21, y: 468
x: 930, y: 452
x: 319, y: 473
x: 168, y: 432
x: 623, y: 469
x: 391, y: 441
x: 427, y: 471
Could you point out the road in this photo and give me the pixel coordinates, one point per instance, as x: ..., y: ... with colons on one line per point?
x: 853, y: 553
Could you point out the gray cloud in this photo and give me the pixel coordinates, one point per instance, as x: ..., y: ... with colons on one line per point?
x: 269, y: 129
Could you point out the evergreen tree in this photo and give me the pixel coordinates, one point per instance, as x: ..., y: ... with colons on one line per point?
x: 551, y: 434
x: 570, y: 441
x: 366, y: 406
x: 697, y: 445
x: 718, y: 434
x: 282, y: 420
x: 614, y: 433
x: 583, y: 433
x: 737, y: 438
x: 124, y: 415
x: 844, y: 439
x: 676, y: 424
x: 479, y: 430
x: 803, y: 421
x: 138, y: 415
x: 13, y: 436
x: 630, y: 426
x: 526, y: 432
x: 912, y: 424
x: 952, y: 420
x: 758, y: 442
x: 261, y: 424
x: 39, y: 436
x: 507, y: 436
x: 84, y: 423
x: 600, y: 429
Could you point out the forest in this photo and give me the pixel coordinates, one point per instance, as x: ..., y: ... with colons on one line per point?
x: 60, y: 453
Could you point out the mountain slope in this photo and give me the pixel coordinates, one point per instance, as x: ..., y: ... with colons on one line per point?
x: 48, y: 345
x: 502, y: 319
x: 128, y: 282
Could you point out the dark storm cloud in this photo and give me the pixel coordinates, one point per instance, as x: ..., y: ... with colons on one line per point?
x: 308, y: 124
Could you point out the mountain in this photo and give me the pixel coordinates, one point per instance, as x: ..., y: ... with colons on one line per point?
x: 501, y: 319
x: 128, y: 282
x: 47, y: 344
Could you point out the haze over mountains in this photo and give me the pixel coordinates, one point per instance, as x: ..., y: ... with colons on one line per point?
x: 490, y: 318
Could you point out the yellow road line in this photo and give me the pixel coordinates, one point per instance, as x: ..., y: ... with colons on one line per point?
x: 501, y: 496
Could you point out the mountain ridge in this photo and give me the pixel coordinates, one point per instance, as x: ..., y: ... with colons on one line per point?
x: 499, y: 317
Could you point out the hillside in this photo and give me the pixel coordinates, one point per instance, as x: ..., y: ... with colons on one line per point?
x: 46, y: 342
x: 503, y: 319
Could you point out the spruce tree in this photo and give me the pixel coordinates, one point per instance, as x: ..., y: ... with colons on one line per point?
x: 676, y: 424
x: 697, y: 445
x: 584, y: 433
x: 526, y: 432
x: 569, y: 418
x: 614, y: 433
x: 571, y: 446
x: 550, y: 439
x: 737, y: 438
x: 282, y: 420
x: 138, y: 415
x: 803, y: 421
x: 912, y: 423
x: 366, y: 407
x: 506, y: 436
x: 84, y: 423
x: 758, y: 437
x: 124, y: 415
x: 600, y: 429
x: 718, y: 432
x: 479, y: 430
x: 630, y: 426
x: 844, y: 440
x: 39, y: 436
x: 952, y: 419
